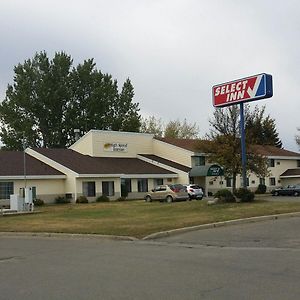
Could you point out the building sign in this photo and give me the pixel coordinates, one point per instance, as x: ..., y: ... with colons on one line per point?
x: 215, y: 170
x: 242, y: 90
x: 115, y: 147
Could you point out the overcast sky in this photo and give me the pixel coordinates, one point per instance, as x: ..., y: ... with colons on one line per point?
x: 173, y: 51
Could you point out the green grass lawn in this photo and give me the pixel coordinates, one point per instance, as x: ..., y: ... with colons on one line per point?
x: 136, y: 218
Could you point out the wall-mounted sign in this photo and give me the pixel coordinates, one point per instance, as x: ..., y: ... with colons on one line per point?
x: 115, y: 147
x: 215, y: 170
x: 243, y: 90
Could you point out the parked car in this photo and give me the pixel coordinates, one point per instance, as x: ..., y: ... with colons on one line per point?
x: 168, y: 193
x: 195, y: 191
x: 290, y: 190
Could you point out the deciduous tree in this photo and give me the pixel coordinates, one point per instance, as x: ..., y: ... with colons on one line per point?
x: 51, y: 98
x: 223, y: 144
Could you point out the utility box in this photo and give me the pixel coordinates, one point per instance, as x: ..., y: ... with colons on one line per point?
x: 16, y: 202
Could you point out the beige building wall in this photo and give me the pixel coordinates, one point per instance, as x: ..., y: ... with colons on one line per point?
x: 102, y: 143
x: 84, y: 145
x: 171, y: 152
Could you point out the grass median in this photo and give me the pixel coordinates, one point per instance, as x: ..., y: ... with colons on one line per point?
x: 136, y: 218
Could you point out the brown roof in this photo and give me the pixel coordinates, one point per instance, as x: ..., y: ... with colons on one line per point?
x: 291, y: 172
x: 188, y: 144
x: 85, y: 164
x: 268, y: 150
x: 194, y: 145
x: 166, y: 162
x: 12, y: 164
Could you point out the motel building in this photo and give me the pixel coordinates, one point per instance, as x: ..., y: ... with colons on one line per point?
x: 101, y: 162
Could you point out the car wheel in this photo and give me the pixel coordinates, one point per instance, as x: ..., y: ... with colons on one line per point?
x: 189, y: 198
x: 169, y: 199
x: 296, y: 193
x: 276, y: 194
x: 148, y: 199
x: 200, y: 198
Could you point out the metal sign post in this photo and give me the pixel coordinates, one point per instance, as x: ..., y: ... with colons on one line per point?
x: 243, y: 145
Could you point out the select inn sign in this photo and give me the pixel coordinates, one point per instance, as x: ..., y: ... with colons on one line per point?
x: 243, y: 90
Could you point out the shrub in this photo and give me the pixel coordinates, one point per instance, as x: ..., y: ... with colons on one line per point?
x: 62, y: 200
x: 38, y: 202
x: 82, y: 199
x: 245, y: 195
x: 261, y: 189
x: 102, y: 198
x: 225, y: 196
x: 121, y: 199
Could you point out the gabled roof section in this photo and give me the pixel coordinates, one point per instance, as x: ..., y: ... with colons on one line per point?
x: 12, y: 164
x: 268, y: 150
x: 85, y: 164
x: 194, y: 145
x: 291, y: 173
x: 187, y: 144
x: 166, y: 162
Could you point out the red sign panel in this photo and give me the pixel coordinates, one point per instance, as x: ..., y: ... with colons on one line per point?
x: 242, y: 90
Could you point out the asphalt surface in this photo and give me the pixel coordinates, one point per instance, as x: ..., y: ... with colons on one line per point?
x: 246, y: 261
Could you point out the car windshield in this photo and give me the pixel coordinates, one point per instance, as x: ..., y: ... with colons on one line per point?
x: 195, y: 186
x: 177, y: 187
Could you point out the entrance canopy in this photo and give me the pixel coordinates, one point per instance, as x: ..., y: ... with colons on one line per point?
x: 209, y: 170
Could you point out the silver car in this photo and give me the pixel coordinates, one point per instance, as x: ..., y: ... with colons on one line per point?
x: 195, y: 191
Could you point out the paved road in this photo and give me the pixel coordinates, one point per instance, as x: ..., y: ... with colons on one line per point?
x: 249, y: 261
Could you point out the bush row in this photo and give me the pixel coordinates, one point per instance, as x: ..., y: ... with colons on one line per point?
x: 244, y: 195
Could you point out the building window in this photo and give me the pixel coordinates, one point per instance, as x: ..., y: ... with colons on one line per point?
x: 228, y: 182
x: 198, y: 161
x: 298, y: 163
x: 6, y: 189
x: 158, y: 181
x: 272, y: 181
x: 126, y: 184
x: 89, y: 189
x: 108, y: 188
x: 143, y: 185
x: 247, y: 181
x: 271, y: 162
x: 262, y: 181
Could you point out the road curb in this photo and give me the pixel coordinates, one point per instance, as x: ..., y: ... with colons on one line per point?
x: 67, y: 235
x: 172, y: 232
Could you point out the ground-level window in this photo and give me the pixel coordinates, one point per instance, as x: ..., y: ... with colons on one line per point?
x: 272, y: 181
x: 228, y: 182
x: 89, y: 189
x: 262, y: 181
x: 6, y: 189
x: 298, y: 163
x: 158, y: 181
x: 143, y: 185
x: 247, y: 181
x: 125, y: 187
x: 108, y: 188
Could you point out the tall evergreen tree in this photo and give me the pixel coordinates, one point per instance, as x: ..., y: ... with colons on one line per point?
x: 298, y: 137
x: 125, y: 113
x: 260, y: 129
